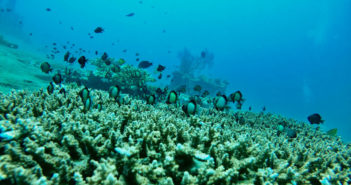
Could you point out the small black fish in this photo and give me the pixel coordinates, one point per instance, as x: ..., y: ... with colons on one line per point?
x: 98, y: 106
x: 48, y: 9
x: 144, y: 64
x: 62, y: 91
x: 264, y: 108
x: 96, y: 52
x: 72, y: 28
x: 136, y: 54
x: 315, y: 119
x: 291, y: 133
x: 57, y: 78
x: 237, y: 96
x: 196, y: 98
x: 50, y: 88
x: 168, y: 76
x: 137, y: 59
x: 115, y: 68
x: 72, y: 59
x: 107, y: 62
x: 99, y: 30
x: 197, y: 88
x: 159, y: 76
x: 151, y: 99
x: 104, y: 56
x: 130, y: 14
x: 159, y: 91
x: 160, y: 68
x: 205, y: 93
x: 45, y: 67
x: 124, y: 51
x: 114, y: 91
x: 82, y: 60
x: 190, y: 107
x: 250, y: 108
x: 172, y: 97
x: 87, y: 104
x: 84, y: 94
x: 66, y: 56
x: 220, y: 102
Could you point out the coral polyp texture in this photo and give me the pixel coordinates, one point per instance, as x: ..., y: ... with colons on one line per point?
x: 52, y: 139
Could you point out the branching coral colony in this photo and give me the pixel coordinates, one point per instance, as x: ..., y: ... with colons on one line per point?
x: 54, y: 139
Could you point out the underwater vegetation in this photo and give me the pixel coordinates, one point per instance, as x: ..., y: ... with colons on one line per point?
x: 59, y: 138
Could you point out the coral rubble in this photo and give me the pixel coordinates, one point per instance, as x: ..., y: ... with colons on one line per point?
x: 50, y: 139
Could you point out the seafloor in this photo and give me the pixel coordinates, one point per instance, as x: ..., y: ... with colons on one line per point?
x: 50, y: 139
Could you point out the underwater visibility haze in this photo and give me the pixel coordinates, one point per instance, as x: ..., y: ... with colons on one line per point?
x: 175, y: 92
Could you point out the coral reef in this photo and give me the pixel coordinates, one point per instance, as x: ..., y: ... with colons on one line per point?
x: 131, y: 79
x: 50, y: 139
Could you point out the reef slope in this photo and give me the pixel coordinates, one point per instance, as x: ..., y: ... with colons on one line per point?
x: 50, y: 139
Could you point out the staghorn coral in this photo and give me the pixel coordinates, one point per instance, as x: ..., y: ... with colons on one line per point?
x: 49, y: 139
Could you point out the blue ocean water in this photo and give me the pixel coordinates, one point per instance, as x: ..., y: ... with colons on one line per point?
x: 292, y: 57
